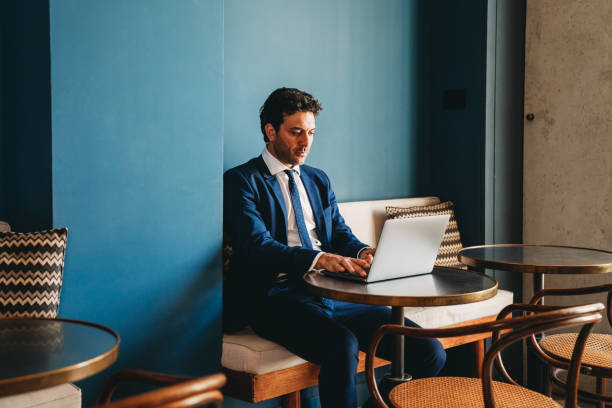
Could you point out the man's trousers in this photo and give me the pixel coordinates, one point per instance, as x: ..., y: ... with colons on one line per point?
x: 330, y: 333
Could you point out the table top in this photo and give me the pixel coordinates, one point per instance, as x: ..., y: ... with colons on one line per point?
x: 444, y: 286
x: 537, y: 258
x: 39, y: 353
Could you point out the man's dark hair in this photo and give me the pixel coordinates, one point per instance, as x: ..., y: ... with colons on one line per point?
x: 283, y: 102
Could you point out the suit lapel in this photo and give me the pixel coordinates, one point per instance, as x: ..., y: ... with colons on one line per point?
x: 272, y: 183
x: 317, y: 207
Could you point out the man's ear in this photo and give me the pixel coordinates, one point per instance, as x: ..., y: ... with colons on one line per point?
x: 270, y: 131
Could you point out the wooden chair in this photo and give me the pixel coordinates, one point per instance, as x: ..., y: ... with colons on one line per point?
x: 474, y: 392
x: 555, y: 350
x: 178, y: 392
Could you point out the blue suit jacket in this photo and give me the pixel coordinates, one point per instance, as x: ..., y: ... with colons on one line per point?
x: 255, y: 225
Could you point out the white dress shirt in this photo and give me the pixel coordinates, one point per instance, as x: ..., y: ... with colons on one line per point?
x: 277, y: 169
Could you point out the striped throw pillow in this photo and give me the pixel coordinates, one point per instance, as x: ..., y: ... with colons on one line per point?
x: 31, y: 267
x: 451, y: 242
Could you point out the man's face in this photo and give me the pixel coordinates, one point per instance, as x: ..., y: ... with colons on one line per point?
x: 292, y: 142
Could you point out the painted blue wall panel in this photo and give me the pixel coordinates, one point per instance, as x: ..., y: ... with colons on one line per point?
x: 359, y: 58
x: 137, y: 90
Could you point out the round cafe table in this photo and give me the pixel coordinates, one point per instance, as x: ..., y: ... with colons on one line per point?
x: 444, y: 286
x: 38, y: 353
x: 537, y: 259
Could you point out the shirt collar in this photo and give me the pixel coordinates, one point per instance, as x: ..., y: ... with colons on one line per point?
x: 274, y: 165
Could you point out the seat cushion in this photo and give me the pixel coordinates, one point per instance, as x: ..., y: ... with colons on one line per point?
x: 60, y: 396
x: 440, y: 316
x: 31, y: 267
x: 247, y: 352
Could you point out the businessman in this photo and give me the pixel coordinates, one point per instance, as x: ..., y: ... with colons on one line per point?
x: 281, y: 220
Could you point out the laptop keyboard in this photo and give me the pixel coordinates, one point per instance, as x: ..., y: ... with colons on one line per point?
x: 345, y: 275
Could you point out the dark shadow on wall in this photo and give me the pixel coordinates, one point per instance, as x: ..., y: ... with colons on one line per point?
x: 423, y: 77
x: 25, y: 118
x: 453, y: 57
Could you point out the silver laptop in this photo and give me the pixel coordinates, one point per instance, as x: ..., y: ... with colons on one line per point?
x: 407, y: 247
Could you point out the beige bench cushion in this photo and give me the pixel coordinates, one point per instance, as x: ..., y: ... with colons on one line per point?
x: 60, y: 396
x: 246, y: 351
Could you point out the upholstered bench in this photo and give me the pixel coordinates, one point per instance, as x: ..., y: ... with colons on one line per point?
x: 258, y: 369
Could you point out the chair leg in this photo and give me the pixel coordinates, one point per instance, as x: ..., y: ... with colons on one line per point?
x: 291, y: 400
x: 478, y: 351
x: 601, y: 389
x: 547, y: 381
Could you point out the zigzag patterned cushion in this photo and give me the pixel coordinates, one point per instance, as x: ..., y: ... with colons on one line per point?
x: 451, y: 243
x: 31, y: 267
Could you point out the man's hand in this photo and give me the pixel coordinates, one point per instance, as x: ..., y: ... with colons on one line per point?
x: 338, y: 263
x: 368, y: 255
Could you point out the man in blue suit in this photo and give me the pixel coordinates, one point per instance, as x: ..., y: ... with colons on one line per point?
x: 281, y: 220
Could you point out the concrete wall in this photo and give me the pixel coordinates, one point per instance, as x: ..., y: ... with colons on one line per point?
x: 568, y: 146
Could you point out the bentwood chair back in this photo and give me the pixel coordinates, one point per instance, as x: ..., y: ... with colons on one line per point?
x: 475, y: 392
x: 179, y: 392
x: 555, y: 350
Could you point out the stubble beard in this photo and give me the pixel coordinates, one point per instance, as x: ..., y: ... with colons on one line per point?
x: 287, y: 156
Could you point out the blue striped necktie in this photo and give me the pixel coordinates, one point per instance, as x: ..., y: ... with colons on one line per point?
x: 297, y: 210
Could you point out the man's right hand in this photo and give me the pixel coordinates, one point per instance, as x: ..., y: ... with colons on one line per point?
x: 338, y: 263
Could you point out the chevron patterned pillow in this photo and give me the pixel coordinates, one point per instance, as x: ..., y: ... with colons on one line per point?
x: 31, y: 267
x: 451, y: 242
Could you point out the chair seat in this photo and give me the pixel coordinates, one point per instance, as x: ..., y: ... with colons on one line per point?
x: 460, y: 392
x: 245, y: 351
x: 597, y: 352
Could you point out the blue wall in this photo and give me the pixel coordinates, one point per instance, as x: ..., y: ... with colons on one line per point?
x: 137, y: 175
x: 359, y: 58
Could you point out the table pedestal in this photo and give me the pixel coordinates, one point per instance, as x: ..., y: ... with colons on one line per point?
x: 441, y: 287
x: 397, y: 374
